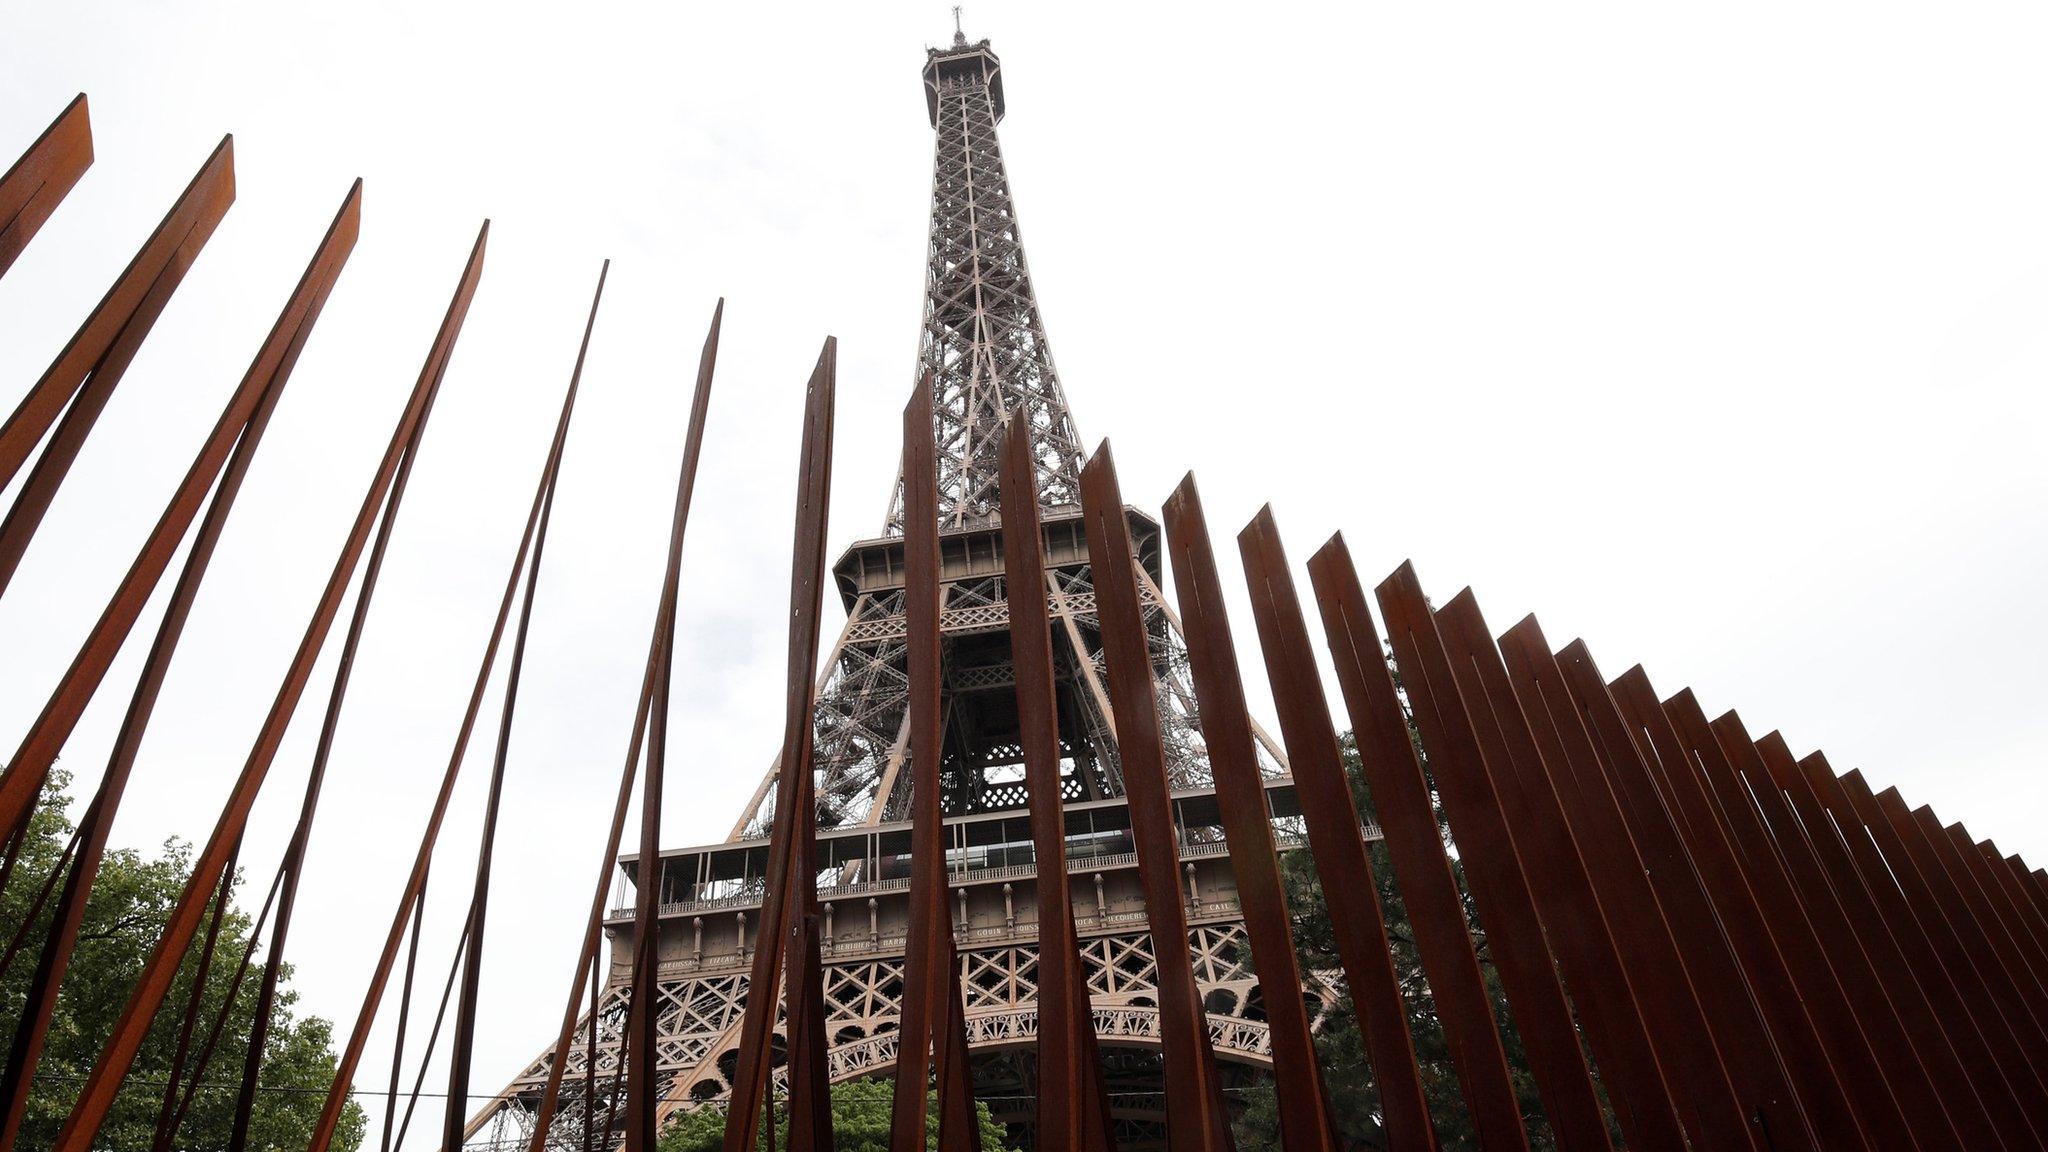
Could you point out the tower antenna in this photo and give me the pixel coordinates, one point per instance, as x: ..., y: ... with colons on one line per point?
x: 959, y: 37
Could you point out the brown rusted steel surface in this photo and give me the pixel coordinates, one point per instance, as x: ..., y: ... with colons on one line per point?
x: 1914, y: 1089
x: 1749, y: 1057
x: 923, y: 955
x: 1678, y: 1023
x: 1348, y: 882
x: 657, y: 658
x: 398, y: 1033
x: 2018, y: 899
x: 42, y: 177
x: 1247, y: 825
x: 461, y: 1042
x: 1834, y: 1016
x: 1401, y: 803
x: 195, y: 1001
x: 263, y: 386
x: 1065, y: 1036
x: 791, y: 897
x: 23, y: 780
x: 220, y: 1021
x: 81, y: 1128
x: 83, y: 377
x: 2013, y: 935
x: 931, y: 978
x: 641, y: 1063
x: 1195, y: 1118
x: 959, y: 1130
x: 1814, y: 1074
x: 1565, y: 853
x: 1507, y: 909
x: 2007, y: 978
x: 1996, y: 1083
x: 30, y: 920
x: 2018, y: 1048
x: 1873, y: 931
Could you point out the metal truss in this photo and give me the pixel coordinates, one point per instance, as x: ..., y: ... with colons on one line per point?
x: 984, y: 344
x: 702, y: 1000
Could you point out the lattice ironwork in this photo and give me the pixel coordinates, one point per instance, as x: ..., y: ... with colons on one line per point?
x: 985, y: 345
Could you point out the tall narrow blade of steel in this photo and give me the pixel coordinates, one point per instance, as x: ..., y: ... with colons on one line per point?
x: 267, y: 388
x: 45, y: 174
x: 928, y: 875
x: 791, y: 888
x: 1195, y: 1119
x: 1247, y: 821
x: 1061, y: 1074
x: 593, y: 925
x: 170, y: 249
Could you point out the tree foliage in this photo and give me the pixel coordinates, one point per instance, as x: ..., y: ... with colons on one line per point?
x: 860, y: 1123
x: 1354, y: 1093
x: 130, y: 902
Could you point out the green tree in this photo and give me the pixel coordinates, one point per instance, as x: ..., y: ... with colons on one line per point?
x: 860, y: 1123
x: 1340, y: 1045
x: 130, y: 902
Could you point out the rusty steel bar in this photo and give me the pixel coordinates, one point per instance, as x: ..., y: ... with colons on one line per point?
x: 434, y: 1031
x: 22, y: 782
x: 1345, y: 871
x: 1678, y: 1023
x: 1304, y: 1106
x: 657, y: 658
x: 1195, y: 1119
x: 1918, y: 1097
x: 2038, y: 878
x: 82, y: 1127
x: 1969, y: 917
x: 1064, y: 1052
x: 265, y: 382
x: 2017, y: 1047
x: 1562, y: 853
x: 922, y: 952
x: 35, y: 908
x: 1401, y: 802
x: 1814, y: 1072
x: 1873, y: 932
x: 1750, y: 1058
x: 2012, y: 935
x: 1995, y: 1083
x: 958, y: 1129
x: 44, y: 175
x: 462, y: 1043
x: 412, y: 957
x: 589, y: 1066
x: 294, y: 858
x: 929, y: 972
x: 791, y: 896
x: 2006, y: 876
x: 82, y: 379
x: 194, y: 1002
x: 1459, y: 766
x: 220, y: 1020
x: 1834, y: 1017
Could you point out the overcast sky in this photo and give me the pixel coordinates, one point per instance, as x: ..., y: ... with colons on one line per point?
x: 1716, y: 338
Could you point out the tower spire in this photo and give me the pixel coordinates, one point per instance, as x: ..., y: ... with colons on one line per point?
x: 959, y: 36
x: 984, y: 340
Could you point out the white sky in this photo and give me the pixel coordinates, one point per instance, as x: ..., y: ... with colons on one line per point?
x: 1715, y: 338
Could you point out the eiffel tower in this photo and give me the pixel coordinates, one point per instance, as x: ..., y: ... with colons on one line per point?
x: 984, y: 343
